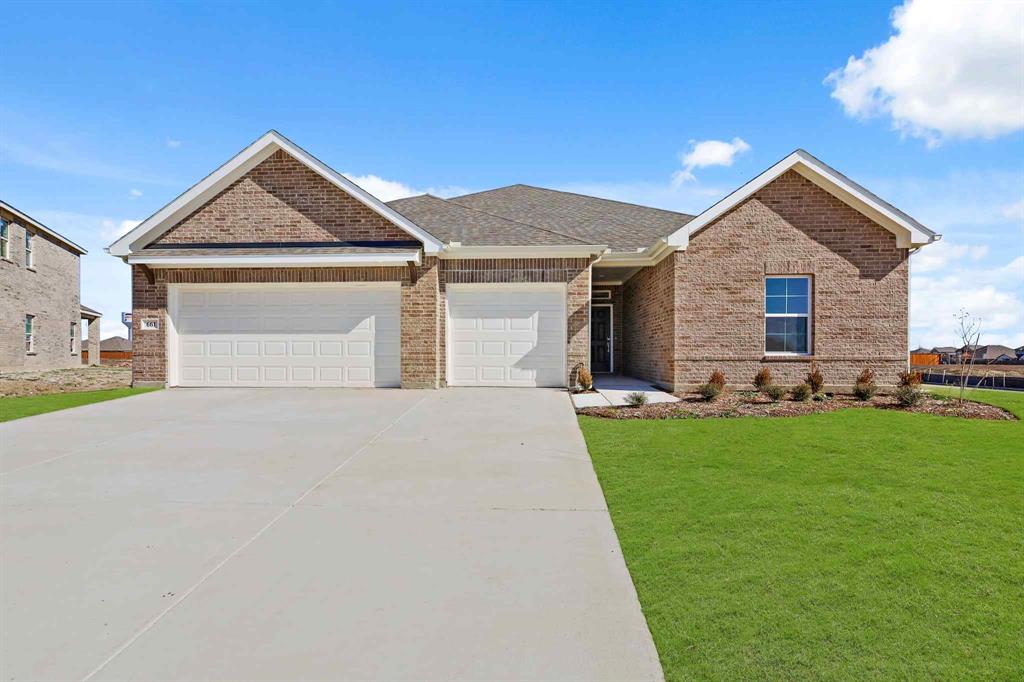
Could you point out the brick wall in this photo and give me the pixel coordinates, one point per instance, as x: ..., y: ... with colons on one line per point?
x: 422, y: 328
x: 649, y: 323
x: 281, y: 200
x: 50, y: 292
x: 574, y: 272
x: 791, y: 226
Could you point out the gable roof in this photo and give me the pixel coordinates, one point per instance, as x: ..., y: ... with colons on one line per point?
x: 993, y: 352
x: 453, y: 222
x: 239, y: 165
x: 909, y: 232
x: 118, y: 343
x: 39, y: 227
x: 592, y: 220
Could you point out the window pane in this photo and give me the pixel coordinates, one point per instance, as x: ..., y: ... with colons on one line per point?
x: 775, y: 304
x: 796, y: 304
x: 775, y: 325
x: 774, y: 343
x: 796, y: 286
x: 796, y: 343
x: 796, y: 325
x: 775, y: 286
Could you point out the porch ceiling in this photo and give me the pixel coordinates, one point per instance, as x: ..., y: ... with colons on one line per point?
x: 613, y: 275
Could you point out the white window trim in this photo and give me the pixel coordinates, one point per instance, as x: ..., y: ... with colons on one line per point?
x: 5, y: 239
x: 31, y: 335
x: 30, y: 250
x: 809, y: 315
x: 74, y: 336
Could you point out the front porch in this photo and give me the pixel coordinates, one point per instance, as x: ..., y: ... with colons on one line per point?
x: 612, y: 389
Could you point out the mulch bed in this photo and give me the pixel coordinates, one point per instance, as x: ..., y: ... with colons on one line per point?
x: 750, y: 404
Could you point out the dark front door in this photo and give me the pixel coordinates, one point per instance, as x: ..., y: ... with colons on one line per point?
x: 600, y: 338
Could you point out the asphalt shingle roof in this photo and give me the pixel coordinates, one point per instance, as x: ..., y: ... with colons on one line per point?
x: 592, y: 220
x: 450, y: 221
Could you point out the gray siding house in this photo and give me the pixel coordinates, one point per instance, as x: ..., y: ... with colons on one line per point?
x: 41, y: 314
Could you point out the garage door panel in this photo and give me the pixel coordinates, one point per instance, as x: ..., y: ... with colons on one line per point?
x: 506, y: 336
x: 258, y: 335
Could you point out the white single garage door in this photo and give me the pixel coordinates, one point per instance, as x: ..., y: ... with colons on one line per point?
x: 285, y: 335
x: 506, y: 335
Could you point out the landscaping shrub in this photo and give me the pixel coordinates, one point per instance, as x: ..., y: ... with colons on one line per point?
x: 820, y: 397
x: 762, y: 378
x: 911, y: 378
x: 908, y: 396
x: 802, y: 392
x: 709, y: 391
x: 636, y: 399
x: 815, y: 379
x: 585, y: 379
x: 717, y: 379
x: 865, y: 387
x: 774, y: 392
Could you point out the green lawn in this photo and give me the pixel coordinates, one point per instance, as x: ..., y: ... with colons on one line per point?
x: 861, y: 544
x: 27, y: 406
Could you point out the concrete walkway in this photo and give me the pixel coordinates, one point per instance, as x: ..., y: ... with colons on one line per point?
x: 297, y: 534
x: 612, y: 389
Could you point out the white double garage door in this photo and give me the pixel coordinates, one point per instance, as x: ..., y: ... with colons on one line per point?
x: 350, y: 335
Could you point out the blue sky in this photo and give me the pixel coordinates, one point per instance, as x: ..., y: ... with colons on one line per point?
x: 110, y: 110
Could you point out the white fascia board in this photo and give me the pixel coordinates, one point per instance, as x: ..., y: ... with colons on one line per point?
x: 558, y: 251
x: 239, y: 165
x: 909, y: 233
x: 268, y: 261
x: 39, y: 227
x: 652, y: 255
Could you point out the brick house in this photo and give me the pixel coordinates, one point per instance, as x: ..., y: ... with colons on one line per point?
x: 277, y: 270
x: 41, y: 314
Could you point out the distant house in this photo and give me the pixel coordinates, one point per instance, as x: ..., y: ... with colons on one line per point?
x: 114, y: 348
x: 947, y: 354
x: 1019, y: 350
x: 994, y: 353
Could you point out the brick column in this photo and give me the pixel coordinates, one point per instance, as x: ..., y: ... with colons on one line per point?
x: 421, y: 330
x: 94, y: 341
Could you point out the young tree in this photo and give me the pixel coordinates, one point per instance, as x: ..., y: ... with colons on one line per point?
x: 969, y: 331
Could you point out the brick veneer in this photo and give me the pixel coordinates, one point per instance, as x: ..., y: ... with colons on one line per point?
x: 574, y: 272
x: 281, y: 200
x: 647, y: 301
x: 791, y: 226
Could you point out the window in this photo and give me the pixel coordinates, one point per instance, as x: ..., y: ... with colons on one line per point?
x: 787, y: 311
x: 29, y: 259
x: 73, y: 325
x: 30, y: 341
x: 601, y: 295
x: 5, y: 240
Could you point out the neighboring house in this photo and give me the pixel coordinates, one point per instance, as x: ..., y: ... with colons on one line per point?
x: 994, y: 353
x: 1019, y: 350
x: 947, y: 354
x: 277, y: 270
x: 112, y: 350
x: 41, y: 315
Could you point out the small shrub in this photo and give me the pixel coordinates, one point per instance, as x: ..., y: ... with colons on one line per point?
x: 585, y: 379
x: 907, y: 395
x: 774, y: 392
x: 709, y: 391
x: 815, y: 379
x: 717, y: 379
x: 636, y: 399
x: 762, y: 378
x: 864, y: 391
x: 820, y: 397
x: 911, y: 378
x: 802, y: 392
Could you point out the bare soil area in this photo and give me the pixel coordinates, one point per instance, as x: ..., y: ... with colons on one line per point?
x: 72, y: 380
x: 750, y: 404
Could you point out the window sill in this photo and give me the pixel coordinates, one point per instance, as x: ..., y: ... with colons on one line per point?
x: 788, y: 357
x: 30, y: 267
x: 30, y: 352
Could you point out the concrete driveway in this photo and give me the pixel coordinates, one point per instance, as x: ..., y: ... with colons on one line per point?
x: 296, y: 534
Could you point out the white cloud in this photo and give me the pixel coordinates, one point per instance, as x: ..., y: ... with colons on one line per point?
x: 113, y: 230
x: 172, y: 144
x: 62, y: 158
x: 135, y: 193
x: 1014, y: 212
x: 951, y: 70
x: 389, y: 190
x: 707, y: 153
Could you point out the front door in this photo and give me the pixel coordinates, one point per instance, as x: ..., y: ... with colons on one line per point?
x: 600, y: 338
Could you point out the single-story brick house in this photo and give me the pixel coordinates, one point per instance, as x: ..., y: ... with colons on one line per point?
x: 277, y: 270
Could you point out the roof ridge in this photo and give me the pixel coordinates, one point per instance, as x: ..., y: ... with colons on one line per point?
x: 506, y: 218
x: 578, y: 194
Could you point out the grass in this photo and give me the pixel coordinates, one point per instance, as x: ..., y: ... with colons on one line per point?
x: 27, y: 406
x: 859, y: 544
